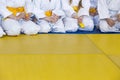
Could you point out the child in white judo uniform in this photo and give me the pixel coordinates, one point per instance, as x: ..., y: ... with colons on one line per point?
x: 70, y: 20
x: 50, y: 15
x: 16, y: 14
x: 77, y: 15
x: 109, y: 13
x: 93, y: 12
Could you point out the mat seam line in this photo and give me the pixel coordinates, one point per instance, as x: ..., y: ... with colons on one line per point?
x: 104, y: 53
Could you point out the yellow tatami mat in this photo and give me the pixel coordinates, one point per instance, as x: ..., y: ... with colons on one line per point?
x: 115, y: 59
x: 47, y: 43
x: 109, y: 43
x: 60, y: 57
x: 57, y: 67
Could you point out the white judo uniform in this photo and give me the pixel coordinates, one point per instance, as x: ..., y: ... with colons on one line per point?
x: 87, y: 21
x: 94, y: 4
x: 1, y: 30
x: 84, y: 11
x: 108, y: 9
x: 14, y: 27
x: 41, y: 6
x: 71, y: 24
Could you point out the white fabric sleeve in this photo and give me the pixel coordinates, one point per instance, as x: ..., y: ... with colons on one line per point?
x: 103, y: 10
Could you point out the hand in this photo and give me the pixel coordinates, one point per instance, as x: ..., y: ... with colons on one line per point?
x: 28, y: 16
x: 118, y: 17
x: 80, y: 19
x: 110, y: 22
x: 75, y: 16
x: 54, y: 18
x: 49, y: 19
x: 21, y: 16
x: 12, y: 17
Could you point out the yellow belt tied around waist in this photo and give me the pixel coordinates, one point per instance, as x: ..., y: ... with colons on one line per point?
x: 48, y: 13
x: 76, y: 9
x: 16, y: 10
x: 92, y: 10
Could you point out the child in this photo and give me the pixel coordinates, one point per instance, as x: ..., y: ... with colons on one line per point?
x: 94, y: 13
x: 70, y: 21
x: 50, y: 15
x: 16, y: 14
x: 109, y: 13
x: 77, y: 12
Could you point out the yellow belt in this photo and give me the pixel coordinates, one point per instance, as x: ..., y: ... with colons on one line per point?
x: 93, y: 10
x: 75, y: 8
x: 48, y: 13
x: 16, y: 10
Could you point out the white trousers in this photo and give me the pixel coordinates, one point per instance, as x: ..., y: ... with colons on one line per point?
x: 71, y: 24
x: 1, y: 32
x: 104, y: 27
x: 1, y: 29
x: 96, y: 20
x: 46, y: 27
x: 88, y: 22
x: 13, y: 27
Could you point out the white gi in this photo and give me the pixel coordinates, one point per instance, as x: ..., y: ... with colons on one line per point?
x: 71, y: 24
x: 87, y: 21
x: 108, y: 9
x: 94, y: 4
x: 41, y: 6
x: 14, y: 27
x: 1, y: 30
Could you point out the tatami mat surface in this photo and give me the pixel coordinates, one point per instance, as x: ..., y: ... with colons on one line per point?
x: 60, y: 57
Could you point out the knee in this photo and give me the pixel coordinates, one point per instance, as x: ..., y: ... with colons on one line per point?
x: 89, y: 28
x: 73, y: 28
x: 45, y: 28
x: 30, y: 32
x: 31, y: 28
x: 11, y: 27
x: 103, y: 27
x: 59, y: 29
x: 89, y: 24
x: 13, y: 32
